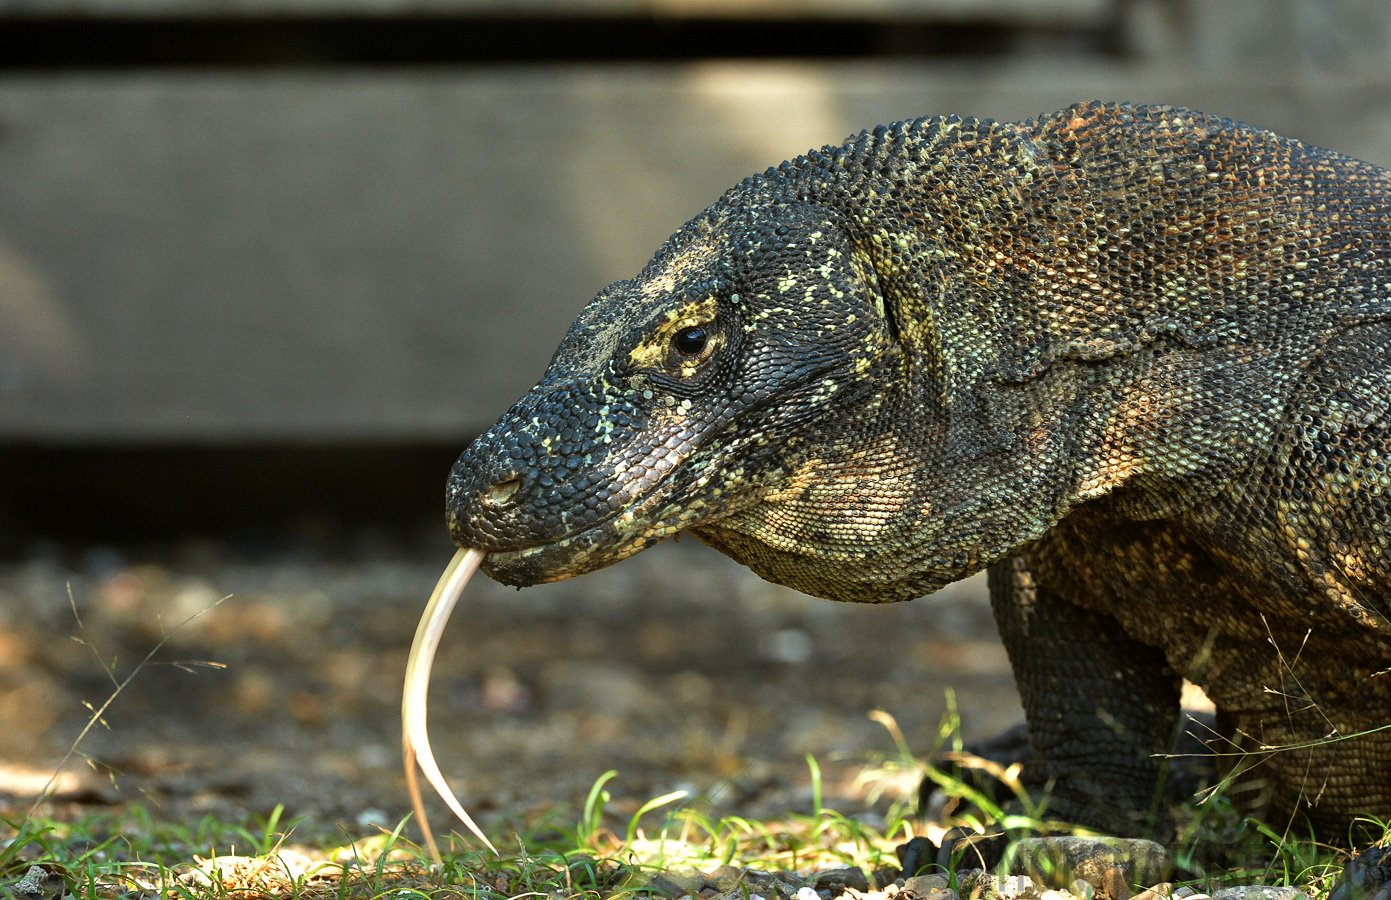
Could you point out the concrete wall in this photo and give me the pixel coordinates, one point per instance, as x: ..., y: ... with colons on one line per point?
x: 349, y: 253
x: 1047, y: 11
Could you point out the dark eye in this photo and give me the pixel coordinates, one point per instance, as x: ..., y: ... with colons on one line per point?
x: 691, y: 341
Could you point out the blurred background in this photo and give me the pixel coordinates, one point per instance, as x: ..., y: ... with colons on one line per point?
x: 266, y: 266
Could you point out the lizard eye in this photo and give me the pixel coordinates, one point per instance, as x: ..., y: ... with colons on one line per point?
x: 690, y: 342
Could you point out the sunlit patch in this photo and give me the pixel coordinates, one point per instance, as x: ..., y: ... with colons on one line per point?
x: 20, y: 780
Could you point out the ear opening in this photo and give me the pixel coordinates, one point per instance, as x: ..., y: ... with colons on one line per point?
x: 890, y: 319
x: 863, y: 265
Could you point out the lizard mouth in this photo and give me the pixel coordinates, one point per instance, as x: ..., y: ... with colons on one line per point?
x: 667, y: 507
x: 646, y: 523
x: 694, y: 493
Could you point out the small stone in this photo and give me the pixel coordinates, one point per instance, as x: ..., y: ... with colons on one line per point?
x: 977, y: 884
x: 1111, y: 865
x: 783, y: 889
x: 725, y: 879
x: 1082, y: 890
x: 1163, y: 891
x: 1018, y: 887
x: 1188, y: 892
x: 32, y: 884
x: 1260, y: 892
x: 922, y: 885
x: 755, y: 880
x: 838, y: 880
x: 1055, y: 895
x: 806, y: 893
x: 1117, y: 884
x: 667, y: 886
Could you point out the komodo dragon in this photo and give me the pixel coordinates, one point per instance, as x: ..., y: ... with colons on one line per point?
x: 1133, y: 360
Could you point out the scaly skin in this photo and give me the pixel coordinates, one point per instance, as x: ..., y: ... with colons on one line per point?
x: 1133, y: 359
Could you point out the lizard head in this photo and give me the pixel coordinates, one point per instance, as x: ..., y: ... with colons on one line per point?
x: 883, y: 366
x: 782, y: 381
x: 683, y: 399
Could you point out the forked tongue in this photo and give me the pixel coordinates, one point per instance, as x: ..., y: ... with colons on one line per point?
x: 415, y: 741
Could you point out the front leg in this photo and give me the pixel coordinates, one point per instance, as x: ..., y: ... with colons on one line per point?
x: 1099, y: 704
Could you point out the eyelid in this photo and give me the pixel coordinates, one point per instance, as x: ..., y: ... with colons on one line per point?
x: 685, y: 322
x: 687, y: 364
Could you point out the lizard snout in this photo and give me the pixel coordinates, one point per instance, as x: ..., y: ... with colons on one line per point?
x: 525, y: 483
x: 483, y: 503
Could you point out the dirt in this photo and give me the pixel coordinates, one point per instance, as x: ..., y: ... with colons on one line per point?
x: 677, y: 668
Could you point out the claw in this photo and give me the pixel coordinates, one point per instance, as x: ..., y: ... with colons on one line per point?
x: 1367, y: 877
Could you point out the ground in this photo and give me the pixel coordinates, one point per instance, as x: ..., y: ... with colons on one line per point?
x: 677, y: 668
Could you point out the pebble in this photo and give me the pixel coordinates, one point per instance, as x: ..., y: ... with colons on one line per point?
x: 1113, y: 862
x: 1162, y: 891
x: 837, y: 880
x: 35, y: 884
x: 977, y: 884
x: 734, y: 883
x: 835, y: 884
x: 33, y: 881
x: 1018, y: 887
x: 1260, y: 892
x: 1109, y: 865
x: 922, y: 885
x: 666, y: 885
x: 725, y: 878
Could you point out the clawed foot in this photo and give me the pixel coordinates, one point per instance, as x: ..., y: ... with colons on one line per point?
x: 921, y: 856
x: 1367, y: 877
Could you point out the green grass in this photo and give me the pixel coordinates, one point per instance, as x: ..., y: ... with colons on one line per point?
x: 129, y: 852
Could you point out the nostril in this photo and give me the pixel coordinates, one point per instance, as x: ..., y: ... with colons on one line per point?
x: 503, y: 491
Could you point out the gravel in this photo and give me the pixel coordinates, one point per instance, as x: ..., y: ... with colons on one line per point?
x: 677, y: 668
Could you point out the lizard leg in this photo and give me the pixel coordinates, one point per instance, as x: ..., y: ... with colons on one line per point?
x: 1367, y: 877
x: 1099, y: 704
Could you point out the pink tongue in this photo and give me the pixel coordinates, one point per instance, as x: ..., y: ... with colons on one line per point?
x: 415, y: 739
